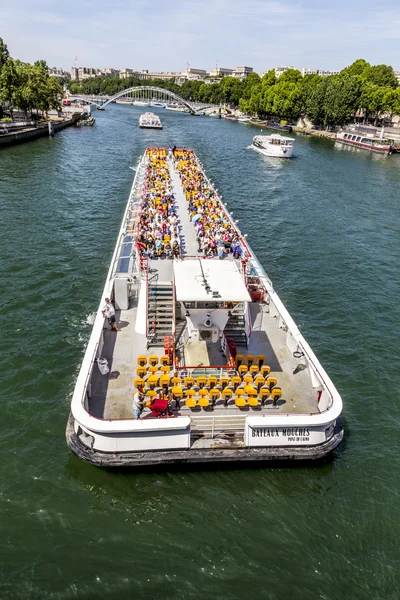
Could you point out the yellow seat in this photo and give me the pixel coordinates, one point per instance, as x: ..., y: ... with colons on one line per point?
x: 147, y: 403
x: 176, y: 380
x: 271, y: 381
x: 264, y: 394
x: 164, y: 369
x: 203, y: 392
x: 249, y: 389
x: 204, y: 401
x: 276, y: 393
x: 265, y: 370
x: 190, y: 402
x: 142, y: 360
x: 235, y: 381
x: 239, y: 359
x: 153, y: 360
x: 227, y: 395
x: 214, y: 395
x: 212, y: 381
x: 152, y: 369
x: 252, y: 401
x: 139, y: 382
x: 201, y: 381
x: 152, y: 381
x: 177, y: 391
x: 190, y: 393
x: 164, y: 360
x: 151, y: 393
x: 249, y: 359
x: 141, y: 371
x: 240, y: 402
x: 260, y: 360
x: 242, y: 369
x: 253, y: 370
x: 259, y: 381
x: 165, y: 380
x: 247, y: 379
x: 188, y: 382
x: 223, y: 382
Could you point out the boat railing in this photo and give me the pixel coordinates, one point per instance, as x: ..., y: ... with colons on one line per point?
x: 210, y: 426
x: 205, y: 370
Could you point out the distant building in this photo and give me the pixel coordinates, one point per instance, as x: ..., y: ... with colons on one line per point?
x: 242, y: 72
x: 397, y: 75
x: 281, y: 70
x: 218, y: 72
x: 125, y: 73
x: 321, y: 72
x: 145, y: 74
x: 55, y: 72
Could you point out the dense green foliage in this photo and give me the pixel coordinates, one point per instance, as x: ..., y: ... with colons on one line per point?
x: 328, y: 101
x: 27, y: 86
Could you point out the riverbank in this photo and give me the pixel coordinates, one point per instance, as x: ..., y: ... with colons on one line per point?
x: 33, y: 133
x: 331, y: 135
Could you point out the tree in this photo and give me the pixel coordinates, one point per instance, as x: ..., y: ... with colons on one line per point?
x: 4, y: 54
x: 291, y: 76
x: 381, y: 75
x: 357, y: 67
x: 9, y: 81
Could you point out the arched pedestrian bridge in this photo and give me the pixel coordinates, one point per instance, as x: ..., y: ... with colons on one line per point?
x: 143, y: 93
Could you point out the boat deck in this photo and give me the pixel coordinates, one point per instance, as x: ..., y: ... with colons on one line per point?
x: 111, y: 395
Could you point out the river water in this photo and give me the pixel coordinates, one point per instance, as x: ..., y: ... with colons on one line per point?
x: 326, y: 226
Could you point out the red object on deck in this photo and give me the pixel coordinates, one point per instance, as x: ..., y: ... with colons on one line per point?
x: 159, y: 408
x: 231, y: 346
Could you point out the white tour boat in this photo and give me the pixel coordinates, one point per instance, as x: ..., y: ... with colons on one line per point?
x: 365, y: 141
x: 274, y: 145
x: 140, y: 103
x: 150, y: 121
x: 204, y: 336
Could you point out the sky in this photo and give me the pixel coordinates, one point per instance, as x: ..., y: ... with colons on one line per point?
x: 166, y: 35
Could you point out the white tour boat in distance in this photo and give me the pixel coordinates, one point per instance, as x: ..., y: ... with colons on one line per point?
x: 150, y: 121
x: 274, y: 145
x: 204, y: 335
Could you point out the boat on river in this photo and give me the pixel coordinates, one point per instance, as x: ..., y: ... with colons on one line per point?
x: 150, y: 121
x: 274, y: 145
x: 225, y: 373
x: 366, y: 141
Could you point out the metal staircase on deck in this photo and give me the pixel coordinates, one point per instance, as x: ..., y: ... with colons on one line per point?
x: 160, y: 313
x: 235, y: 329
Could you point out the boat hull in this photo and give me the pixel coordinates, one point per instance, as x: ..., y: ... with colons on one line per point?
x: 275, y: 151
x: 216, y: 455
x: 386, y: 150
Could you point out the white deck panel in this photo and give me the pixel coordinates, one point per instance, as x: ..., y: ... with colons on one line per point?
x: 221, y: 275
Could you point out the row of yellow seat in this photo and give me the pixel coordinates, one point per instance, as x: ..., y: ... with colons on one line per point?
x: 152, y: 380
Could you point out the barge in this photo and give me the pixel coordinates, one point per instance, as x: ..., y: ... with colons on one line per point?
x: 202, y: 339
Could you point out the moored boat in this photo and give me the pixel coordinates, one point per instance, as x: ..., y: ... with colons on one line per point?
x: 204, y: 339
x: 364, y: 141
x: 274, y: 145
x: 149, y: 121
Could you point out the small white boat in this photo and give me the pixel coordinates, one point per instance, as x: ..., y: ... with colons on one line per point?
x: 158, y: 104
x: 140, y: 103
x: 274, y: 145
x: 177, y: 108
x: 243, y: 119
x: 150, y: 121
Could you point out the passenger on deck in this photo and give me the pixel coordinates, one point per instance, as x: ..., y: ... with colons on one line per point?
x: 138, y: 404
x: 109, y: 312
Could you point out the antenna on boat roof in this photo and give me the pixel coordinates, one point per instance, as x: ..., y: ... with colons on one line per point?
x: 205, y: 282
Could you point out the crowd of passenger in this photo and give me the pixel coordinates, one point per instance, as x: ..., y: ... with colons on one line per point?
x: 215, y: 233
x: 157, y: 233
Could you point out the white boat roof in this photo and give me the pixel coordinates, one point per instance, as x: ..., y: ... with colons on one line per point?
x: 275, y: 136
x: 222, y: 276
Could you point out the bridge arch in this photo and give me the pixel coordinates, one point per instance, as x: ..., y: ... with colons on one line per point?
x: 150, y: 88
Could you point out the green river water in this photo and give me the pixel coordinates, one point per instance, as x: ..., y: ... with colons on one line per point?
x: 326, y: 227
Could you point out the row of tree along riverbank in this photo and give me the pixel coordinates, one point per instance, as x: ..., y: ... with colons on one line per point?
x: 360, y: 90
